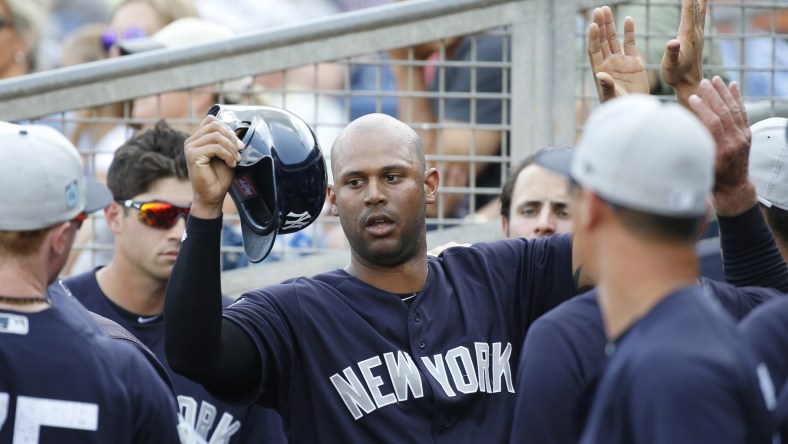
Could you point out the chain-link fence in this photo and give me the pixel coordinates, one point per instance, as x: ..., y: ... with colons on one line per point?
x: 484, y: 82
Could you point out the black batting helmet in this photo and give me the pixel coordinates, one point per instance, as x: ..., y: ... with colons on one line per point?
x: 280, y: 183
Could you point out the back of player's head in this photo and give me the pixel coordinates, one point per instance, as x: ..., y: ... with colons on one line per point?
x: 149, y: 156
x: 769, y: 171
x: 649, y: 160
x: 42, y: 175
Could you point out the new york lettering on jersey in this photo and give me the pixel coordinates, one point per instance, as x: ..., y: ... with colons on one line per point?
x: 480, y: 372
x: 369, y: 362
x: 209, y: 418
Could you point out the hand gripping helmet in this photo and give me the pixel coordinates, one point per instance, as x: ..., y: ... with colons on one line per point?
x: 280, y: 183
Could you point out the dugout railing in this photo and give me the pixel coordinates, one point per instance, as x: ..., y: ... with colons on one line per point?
x: 546, y: 93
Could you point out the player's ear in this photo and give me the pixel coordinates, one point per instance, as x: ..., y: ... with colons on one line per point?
x: 593, y: 208
x: 332, y: 200
x: 114, y: 215
x: 431, y: 180
x: 505, y: 225
x: 61, y: 238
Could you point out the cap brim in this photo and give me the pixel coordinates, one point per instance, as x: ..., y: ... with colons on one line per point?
x: 97, y: 195
x: 256, y: 246
x: 136, y: 46
x: 559, y: 161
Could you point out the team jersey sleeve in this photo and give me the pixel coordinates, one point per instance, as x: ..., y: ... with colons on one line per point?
x: 533, y: 275
x: 766, y: 330
x: 199, y: 343
x: 739, y: 301
x: 154, y: 404
x: 545, y: 276
x: 550, y: 386
x: 270, y: 318
x: 750, y: 255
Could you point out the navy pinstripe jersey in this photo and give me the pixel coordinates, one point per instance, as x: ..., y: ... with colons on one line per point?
x: 346, y: 362
x: 215, y: 420
x: 62, y: 381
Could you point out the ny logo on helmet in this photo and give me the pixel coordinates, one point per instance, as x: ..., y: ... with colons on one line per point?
x: 300, y: 221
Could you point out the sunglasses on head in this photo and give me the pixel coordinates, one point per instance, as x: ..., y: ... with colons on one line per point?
x: 111, y: 37
x: 155, y: 213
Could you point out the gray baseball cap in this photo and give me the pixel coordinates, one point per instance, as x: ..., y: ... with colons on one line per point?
x: 643, y: 154
x: 768, y: 163
x: 43, y: 180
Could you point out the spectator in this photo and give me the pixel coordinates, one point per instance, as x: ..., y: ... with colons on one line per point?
x: 424, y: 112
x: 182, y: 108
x: 65, y: 18
x: 149, y: 182
x: 97, y: 140
x: 133, y: 19
x: 535, y: 201
x: 20, y: 30
x: 62, y: 381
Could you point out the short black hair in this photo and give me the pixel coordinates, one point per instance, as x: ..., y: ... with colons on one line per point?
x: 511, y: 178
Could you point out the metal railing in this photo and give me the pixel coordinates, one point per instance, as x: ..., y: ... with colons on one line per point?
x: 545, y: 97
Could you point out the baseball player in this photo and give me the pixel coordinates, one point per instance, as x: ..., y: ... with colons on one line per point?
x: 765, y: 327
x: 678, y: 371
x: 564, y: 352
x: 535, y: 201
x: 148, y: 180
x: 61, y: 380
x: 395, y: 347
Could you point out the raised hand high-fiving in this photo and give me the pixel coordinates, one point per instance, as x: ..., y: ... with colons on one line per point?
x: 617, y: 70
x: 682, y: 63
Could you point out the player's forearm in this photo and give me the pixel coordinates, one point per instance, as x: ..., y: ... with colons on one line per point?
x: 192, y: 305
x: 750, y: 255
x: 683, y: 93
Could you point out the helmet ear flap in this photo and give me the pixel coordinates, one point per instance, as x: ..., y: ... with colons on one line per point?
x: 279, y: 186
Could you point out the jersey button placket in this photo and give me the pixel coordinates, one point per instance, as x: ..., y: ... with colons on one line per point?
x: 420, y: 342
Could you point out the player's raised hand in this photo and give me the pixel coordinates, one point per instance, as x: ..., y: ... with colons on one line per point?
x: 212, y: 153
x: 721, y: 109
x: 682, y: 63
x: 617, y: 70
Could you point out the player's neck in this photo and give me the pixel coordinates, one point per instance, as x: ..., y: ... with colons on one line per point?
x: 17, y: 280
x: 131, y: 288
x: 638, y: 278
x: 405, y: 278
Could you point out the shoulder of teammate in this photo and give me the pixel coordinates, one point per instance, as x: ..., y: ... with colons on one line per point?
x: 73, y: 309
x: 739, y: 301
